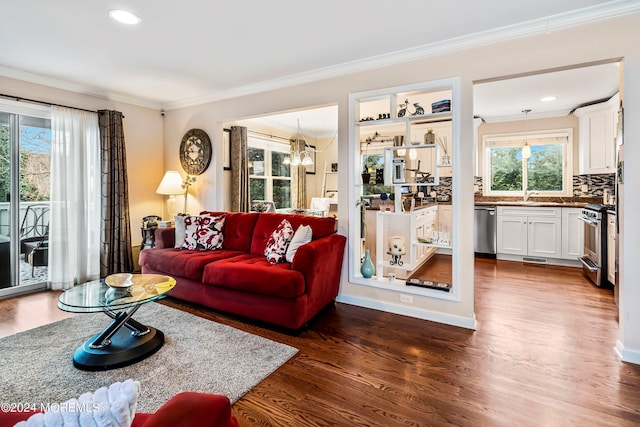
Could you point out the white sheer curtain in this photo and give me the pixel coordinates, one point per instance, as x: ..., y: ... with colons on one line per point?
x: 74, y: 236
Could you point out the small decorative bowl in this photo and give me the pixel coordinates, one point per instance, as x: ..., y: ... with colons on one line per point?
x: 119, y: 280
x: 416, y: 142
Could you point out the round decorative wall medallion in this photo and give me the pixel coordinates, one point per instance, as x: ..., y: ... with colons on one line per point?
x: 195, y: 151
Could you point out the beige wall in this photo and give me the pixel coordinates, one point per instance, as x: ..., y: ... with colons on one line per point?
x: 143, y: 128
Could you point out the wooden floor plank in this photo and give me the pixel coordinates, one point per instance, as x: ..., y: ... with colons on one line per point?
x: 542, y: 356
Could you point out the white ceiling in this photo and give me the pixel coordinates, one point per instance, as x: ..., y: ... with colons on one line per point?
x: 197, y: 51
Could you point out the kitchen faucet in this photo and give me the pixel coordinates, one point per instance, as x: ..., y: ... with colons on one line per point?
x: 528, y: 194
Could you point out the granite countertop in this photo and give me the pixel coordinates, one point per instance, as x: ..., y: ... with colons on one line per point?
x: 562, y: 202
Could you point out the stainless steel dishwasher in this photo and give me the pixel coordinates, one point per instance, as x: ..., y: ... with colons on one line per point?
x: 485, y: 231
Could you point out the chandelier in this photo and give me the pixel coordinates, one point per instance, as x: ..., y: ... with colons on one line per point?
x: 300, y: 151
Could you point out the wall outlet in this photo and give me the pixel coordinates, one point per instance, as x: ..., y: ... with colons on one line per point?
x: 407, y: 299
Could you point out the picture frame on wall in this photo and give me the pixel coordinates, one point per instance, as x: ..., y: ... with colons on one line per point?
x: 311, y: 169
x: 226, y: 149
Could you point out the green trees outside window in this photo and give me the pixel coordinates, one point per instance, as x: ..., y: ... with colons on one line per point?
x: 269, y: 177
x: 543, y: 171
x: 35, y: 159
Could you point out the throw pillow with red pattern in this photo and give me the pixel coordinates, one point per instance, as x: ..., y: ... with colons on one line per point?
x: 203, y: 232
x: 278, y: 242
x: 210, y: 235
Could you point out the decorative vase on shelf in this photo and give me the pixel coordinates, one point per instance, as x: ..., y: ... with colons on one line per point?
x: 367, y: 269
x: 446, y: 159
x: 430, y: 137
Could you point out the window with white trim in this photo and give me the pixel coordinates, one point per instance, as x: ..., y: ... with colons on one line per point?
x: 547, y: 171
x: 269, y: 177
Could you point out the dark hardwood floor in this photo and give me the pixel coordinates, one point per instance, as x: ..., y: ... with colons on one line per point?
x: 542, y: 356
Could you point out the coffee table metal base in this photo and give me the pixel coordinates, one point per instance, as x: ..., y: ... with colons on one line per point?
x: 124, y: 349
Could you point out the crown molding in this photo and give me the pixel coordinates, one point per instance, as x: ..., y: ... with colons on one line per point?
x: 61, y: 84
x: 600, y: 12
x: 535, y: 27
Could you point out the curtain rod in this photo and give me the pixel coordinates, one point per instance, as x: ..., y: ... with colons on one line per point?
x: 269, y: 135
x: 35, y: 101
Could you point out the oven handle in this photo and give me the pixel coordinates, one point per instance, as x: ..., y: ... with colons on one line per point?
x: 588, y: 220
x: 588, y: 264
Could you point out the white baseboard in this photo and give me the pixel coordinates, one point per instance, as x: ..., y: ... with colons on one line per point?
x: 627, y: 355
x: 433, y: 316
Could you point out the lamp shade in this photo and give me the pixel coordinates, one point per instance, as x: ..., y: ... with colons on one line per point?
x: 171, y: 184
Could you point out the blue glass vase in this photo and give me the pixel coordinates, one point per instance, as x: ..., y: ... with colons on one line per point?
x: 367, y: 269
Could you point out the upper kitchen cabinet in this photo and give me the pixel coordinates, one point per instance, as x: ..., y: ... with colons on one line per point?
x: 596, y: 137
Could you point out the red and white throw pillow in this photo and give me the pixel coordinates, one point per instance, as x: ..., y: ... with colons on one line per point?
x: 203, y: 232
x: 278, y: 242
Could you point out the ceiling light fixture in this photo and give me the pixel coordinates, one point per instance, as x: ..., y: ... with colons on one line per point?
x: 125, y: 16
x: 548, y: 98
x: 300, y: 155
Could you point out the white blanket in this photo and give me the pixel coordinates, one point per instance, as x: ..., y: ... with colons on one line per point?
x: 114, y: 406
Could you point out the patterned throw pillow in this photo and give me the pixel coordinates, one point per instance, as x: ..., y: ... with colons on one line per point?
x: 210, y: 235
x: 278, y: 242
x: 203, y: 232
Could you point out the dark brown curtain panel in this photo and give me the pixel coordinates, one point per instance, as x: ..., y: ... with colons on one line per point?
x: 239, y: 170
x: 115, y: 238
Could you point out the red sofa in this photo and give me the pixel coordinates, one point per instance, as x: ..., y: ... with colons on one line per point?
x: 238, y: 279
x: 187, y: 409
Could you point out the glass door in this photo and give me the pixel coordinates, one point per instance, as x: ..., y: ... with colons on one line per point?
x: 25, y: 153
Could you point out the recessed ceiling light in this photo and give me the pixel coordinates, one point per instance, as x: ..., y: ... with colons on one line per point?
x: 548, y: 99
x: 125, y: 17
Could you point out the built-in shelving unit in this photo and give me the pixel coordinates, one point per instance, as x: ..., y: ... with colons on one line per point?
x: 384, y: 120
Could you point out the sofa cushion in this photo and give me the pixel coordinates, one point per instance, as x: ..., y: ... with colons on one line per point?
x: 267, y: 222
x: 238, y: 229
x: 182, y: 262
x: 178, y: 220
x: 279, y: 242
x: 203, y: 232
x: 253, y: 273
x: 302, y: 236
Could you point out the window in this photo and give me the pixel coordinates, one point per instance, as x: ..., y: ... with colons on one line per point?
x: 374, y: 161
x: 547, y: 171
x: 269, y: 177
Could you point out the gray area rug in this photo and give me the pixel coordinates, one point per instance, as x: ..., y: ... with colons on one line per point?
x: 198, y: 355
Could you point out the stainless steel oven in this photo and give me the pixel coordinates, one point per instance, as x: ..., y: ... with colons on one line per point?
x: 594, y: 260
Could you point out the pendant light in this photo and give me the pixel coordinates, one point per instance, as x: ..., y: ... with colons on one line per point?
x: 526, y: 150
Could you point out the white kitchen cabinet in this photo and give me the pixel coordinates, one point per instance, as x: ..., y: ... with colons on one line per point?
x: 511, y: 234
x: 596, y: 137
x: 611, y: 248
x: 572, y: 234
x: 534, y: 232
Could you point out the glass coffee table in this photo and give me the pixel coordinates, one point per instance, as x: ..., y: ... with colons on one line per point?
x: 119, y: 296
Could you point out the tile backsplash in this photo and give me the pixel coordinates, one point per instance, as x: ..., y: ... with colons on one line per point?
x: 595, y: 184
